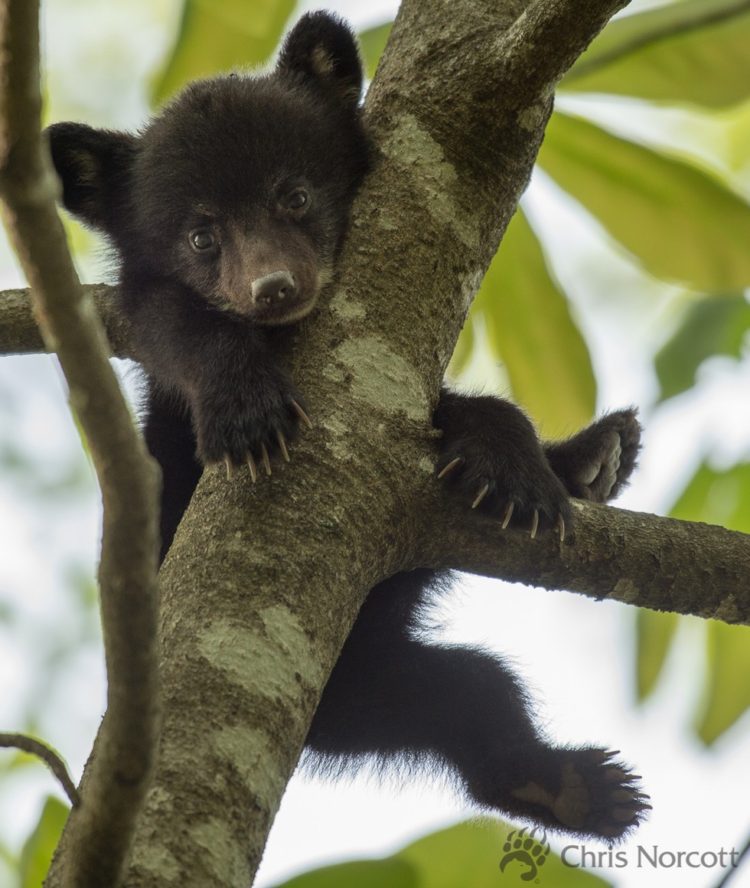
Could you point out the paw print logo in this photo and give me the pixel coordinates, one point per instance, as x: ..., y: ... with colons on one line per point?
x: 531, y: 851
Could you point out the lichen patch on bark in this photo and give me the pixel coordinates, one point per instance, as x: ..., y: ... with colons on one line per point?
x: 383, y: 378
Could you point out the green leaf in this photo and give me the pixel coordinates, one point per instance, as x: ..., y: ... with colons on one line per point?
x: 372, y: 43
x: 467, y: 854
x: 715, y: 325
x: 721, y: 497
x: 7, y: 858
x: 362, y: 874
x: 736, y: 136
x: 215, y: 37
x: 727, y: 692
x: 717, y: 497
x: 14, y: 760
x: 696, y: 51
x: 530, y: 328
x: 463, y: 350
x: 655, y: 632
x: 39, y: 847
x: 682, y: 224
x: 470, y: 855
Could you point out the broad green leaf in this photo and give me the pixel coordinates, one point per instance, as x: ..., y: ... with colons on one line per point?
x: 714, y: 325
x: 478, y: 854
x: 654, y: 634
x: 466, y: 854
x: 721, y: 497
x: 39, y: 847
x: 717, y: 497
x: 485, y: 854
x: 463, y: 350
x: 682, y: 224
x: 7, y: 858
x: 372, y: 43
x: 215, y: 37
x: 14, y: 760
x: 362, y: 873
x: 530, y: 328
x: 736, y: 131
x: 8, y: 867
x: 697, y: 51
x: 727, y: 691
x: 80, y: 239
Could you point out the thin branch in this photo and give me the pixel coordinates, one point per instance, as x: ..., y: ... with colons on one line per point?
x: 50, y: 758
x: 646, y: 560
x: 101, y: 828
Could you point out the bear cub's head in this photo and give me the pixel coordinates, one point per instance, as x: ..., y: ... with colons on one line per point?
x: 239, y: 191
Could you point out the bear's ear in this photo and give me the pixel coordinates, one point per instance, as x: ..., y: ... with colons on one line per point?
x: 323, y: 48
x: 94, y: 168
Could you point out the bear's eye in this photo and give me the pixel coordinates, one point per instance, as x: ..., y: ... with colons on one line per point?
x: 297, y: 200
x: 202, y: 239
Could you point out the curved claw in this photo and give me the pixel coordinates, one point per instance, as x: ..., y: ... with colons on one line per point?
x: 282, y: 445
x: 480, y: 496
x: 230, y: 467
x: 304, y: 418
x: 253, y: 468
x: 446, y: 470
x: 534, y: 524
x: 508, y: 514
x: 561, y: 527
x: 266, y: 460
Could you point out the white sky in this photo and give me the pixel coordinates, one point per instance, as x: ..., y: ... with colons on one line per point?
x: 576, y: 654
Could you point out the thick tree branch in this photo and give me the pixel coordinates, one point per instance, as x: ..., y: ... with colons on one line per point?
x: 101, y: 827
x: 19, y: 331
x: 649, y: 559
x: 649, y: 562
x: 48, y: 755
x: 639, y: 559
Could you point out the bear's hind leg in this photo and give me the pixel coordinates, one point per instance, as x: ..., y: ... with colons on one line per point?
x: 399, y: 701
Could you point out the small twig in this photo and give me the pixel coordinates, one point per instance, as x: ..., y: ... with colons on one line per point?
x: 48, y: 755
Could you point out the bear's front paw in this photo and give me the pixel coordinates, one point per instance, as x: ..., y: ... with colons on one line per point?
x: 514, y: 487
x: 248, y: 425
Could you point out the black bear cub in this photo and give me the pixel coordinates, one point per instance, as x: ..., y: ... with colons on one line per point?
x: 227, y: 213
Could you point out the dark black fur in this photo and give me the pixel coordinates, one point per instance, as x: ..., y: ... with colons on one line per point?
x: 227, y: 213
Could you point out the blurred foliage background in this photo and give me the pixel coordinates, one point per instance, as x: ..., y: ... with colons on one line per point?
x: 622, y: 278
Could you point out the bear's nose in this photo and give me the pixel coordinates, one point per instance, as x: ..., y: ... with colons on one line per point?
x: 274, y: 287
